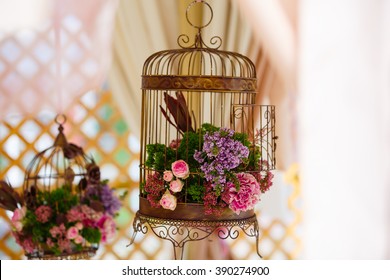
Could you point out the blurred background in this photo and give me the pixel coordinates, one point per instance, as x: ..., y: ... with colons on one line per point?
x: 324, y: 64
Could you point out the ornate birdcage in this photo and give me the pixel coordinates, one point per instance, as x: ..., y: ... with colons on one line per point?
x: 201, y: 133
x: 66, y: 210
x: 54, y: 193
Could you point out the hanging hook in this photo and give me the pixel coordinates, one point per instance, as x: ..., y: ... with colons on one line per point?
x: 60, y: 119
x: 199, y: 27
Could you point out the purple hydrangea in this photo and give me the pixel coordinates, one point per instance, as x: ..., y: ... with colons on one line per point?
x: 220, y: 154
x: 110, y: 201
x: 106, y: 195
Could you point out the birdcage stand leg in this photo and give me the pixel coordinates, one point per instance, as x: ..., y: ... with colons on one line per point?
x: 138, y: 226
x: 178, y: 252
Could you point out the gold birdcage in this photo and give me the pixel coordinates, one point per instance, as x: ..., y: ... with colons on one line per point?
x: 186, y: 91
x: 61, y: 166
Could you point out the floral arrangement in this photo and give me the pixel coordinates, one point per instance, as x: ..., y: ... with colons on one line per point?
x: 213, y: 166
x: 64, y: 220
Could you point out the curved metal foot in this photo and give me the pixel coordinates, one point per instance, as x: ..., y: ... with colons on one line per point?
x: 132, y: 238
x: 138, y: 226
x: 257, y: 247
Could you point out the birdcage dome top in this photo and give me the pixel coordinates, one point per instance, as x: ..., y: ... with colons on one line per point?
x: 60, y: 164
x: 199, y: 66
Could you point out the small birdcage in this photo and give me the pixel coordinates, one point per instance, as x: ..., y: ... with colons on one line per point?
x: 195, y: 100
x: 55, y: 181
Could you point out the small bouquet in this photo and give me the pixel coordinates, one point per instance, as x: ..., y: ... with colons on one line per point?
x: 213, y: 166
x: 65, y: 220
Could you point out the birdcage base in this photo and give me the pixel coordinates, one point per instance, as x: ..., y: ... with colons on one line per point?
x: 188, y: 223
x: 85, y: 254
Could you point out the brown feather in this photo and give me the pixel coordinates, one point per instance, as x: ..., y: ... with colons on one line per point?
x: 179, y: 111
x: 9, y: 198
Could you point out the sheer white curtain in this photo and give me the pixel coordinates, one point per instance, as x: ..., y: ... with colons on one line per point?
x: 142, y: 28
x: 274, y: 25
x: 344, y: 88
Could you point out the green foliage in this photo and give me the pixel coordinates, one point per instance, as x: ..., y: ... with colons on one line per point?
x: 206, y: 127
x: 254, y: 158
x: 189, y: 144
x: 159, y: 157
x: 61, y: 199
x: 243, y: 138
x: 193, y: 141
x: 92, y: 235
x: 196, y: 192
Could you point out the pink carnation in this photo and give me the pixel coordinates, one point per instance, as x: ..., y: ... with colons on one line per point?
x: 247, y: 196
x: 43, y: 213
x: 180, y: 169
x: 168, y: 176
x: 107, y: 227
x: 176, y: 185
x: 168, y: 201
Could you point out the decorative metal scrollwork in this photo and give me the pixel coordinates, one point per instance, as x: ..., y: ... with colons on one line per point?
x: 179, y: 232
x: 264, y: 137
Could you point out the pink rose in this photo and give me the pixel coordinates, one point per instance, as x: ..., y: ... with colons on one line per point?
x: 168, y: 176
x: 18, y: 226
x: 180, y: 169
x: 17, y: 218
x: 79, y: 226
x: 176, y: 185
x: 72, y: 233
x: 79, y: 239
x: 168, y: 201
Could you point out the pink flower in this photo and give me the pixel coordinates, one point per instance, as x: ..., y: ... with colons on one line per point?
x: 168, y: 176
x: 65, y: 245
x: 57, y: 231
x: 28, y: 245
x: 168, y: 201
x: 72, y: 233
x: 175, y: 144
x: 107, y: 227
x: 50, y: 243
x: 79, y: 239
x: 180, y: 169
x: 247, y: 196
x: 154, y: 184
x: 17, y: 218
x: 176, y: 185
x: 79, y: 226
x: 43, y: 213
x: 75, y: 215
